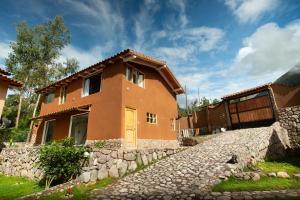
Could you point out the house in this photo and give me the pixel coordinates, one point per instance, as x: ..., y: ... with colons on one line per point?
x: 5, y: 83
x: 128, y: 99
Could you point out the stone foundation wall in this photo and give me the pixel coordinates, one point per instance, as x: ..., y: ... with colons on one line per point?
x: 289, y: 119
x: 102, y: 163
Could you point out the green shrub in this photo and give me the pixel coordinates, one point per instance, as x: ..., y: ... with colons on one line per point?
x: 13, y: 134
x: 61, y: 161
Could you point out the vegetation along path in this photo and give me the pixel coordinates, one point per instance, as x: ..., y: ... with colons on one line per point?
x: 191, y: 173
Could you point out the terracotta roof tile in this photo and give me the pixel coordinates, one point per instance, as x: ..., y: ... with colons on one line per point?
x: 250, y: 90
x: 10, y: 81
x: 66, y: 110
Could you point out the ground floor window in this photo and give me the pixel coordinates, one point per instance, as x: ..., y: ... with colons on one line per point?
x: 48, y: 131
x: 79, y: 128
x: 151, y: 118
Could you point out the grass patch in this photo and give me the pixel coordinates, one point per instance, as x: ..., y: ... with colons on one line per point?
x: 80, y: 191
x: 265, y: 183
x: 12, y: 187
x: 290, y: 166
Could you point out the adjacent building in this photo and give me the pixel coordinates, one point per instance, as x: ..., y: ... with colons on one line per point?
x: 5, y: 83
x: 129, y: 98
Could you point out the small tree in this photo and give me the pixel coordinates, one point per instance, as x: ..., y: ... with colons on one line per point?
x: 61, y: 161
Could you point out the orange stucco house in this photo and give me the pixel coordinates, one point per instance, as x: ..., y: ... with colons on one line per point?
x: 129, y: 98
x: 5, y: 83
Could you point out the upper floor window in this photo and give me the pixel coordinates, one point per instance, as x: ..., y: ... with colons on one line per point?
x: 151, y: 118
x: 62, y: 95
x: 135, y: 76
x: 49, y: 97
x: 91, y: 85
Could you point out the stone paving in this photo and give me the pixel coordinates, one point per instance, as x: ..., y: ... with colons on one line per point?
x: 190, y: 174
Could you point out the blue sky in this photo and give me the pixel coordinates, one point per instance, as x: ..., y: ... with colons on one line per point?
x: 218, y: 47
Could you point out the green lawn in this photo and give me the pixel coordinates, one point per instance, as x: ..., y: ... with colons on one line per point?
x: 265, y: 183
x: 12, y: 187
x: 81, y: 191
x: 290, y: 165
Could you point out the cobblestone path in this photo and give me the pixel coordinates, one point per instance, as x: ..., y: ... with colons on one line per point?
x: 191, y: 173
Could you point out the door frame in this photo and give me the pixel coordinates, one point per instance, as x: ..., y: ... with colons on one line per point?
x: 44, y: 129
x: 136, y: 127
x: 71, y: 120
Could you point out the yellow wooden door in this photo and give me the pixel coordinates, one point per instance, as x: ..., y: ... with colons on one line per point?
x: 130, y: 126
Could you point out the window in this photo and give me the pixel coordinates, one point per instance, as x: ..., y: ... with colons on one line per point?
x: 135, y: 76
x: 49, y: 97
x: 62, y: 95
x: 91, y: 85
x: 151, y: 118
x: 48, y: 131
x: 79, y: 128
x: 173, y: 125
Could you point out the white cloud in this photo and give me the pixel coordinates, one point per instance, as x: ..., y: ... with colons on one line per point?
x: 180, y: 7
x: 4, y: 51
x: 270, y: 49
x: 85, y: 57
x: 102, y: 15
x: 250, y: 10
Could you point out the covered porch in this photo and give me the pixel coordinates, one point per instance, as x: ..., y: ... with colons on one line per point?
x: 71, y: 122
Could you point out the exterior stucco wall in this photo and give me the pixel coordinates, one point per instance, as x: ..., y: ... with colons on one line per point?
x: 104, y: 117
x: 156, y: 97
x: 3, y: 92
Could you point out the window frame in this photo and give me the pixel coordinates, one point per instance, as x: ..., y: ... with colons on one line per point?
x: 49, y: 93
x: 138, y: 73
x: 71, y: 123
x: 89, y: 76
x: 44, y: 129
x: 151, y: 117
x: 62, y: 96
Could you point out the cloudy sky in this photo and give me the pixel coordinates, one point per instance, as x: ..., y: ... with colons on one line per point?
x: 218, y: 46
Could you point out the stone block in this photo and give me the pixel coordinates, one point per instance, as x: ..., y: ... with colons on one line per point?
x: 145, y: 159
x: 132, y: 166
x: 94, y: 175
x: 129, y: 156
x: 102, y: 172
x: 85, y: 177
x: 122, y: 168
x: 113, y: 171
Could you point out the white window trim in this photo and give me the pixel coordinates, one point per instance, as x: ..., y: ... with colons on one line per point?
x: 44, y: 130
x: 134, y: 68
x: 156, y: 121
x: 60, y: 95
x: 88, y: 76
x: 71, y: 121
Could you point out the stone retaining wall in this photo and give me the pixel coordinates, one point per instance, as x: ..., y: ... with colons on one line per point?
x: 101, y: 164
x: 289, y: 119
x: 116, y: 163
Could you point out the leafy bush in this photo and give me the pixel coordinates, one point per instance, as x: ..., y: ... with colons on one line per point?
x: 61, y: 161
x: 13, y: 134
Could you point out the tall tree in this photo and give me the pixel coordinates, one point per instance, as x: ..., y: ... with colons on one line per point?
x: 33, y: 57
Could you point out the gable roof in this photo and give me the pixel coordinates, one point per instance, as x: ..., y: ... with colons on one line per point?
x: 2, y: 71
x: 127, y: 55
x: 4, y: 77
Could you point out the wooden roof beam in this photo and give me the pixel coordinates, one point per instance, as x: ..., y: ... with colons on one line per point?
x: 129, y: 58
